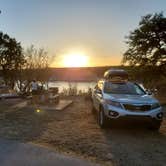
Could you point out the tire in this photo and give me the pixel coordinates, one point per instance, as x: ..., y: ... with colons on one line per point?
x: 102, y: 119
x: 155, y: 125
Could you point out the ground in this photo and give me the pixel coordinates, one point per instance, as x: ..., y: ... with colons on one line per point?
x: 74, y: 131
x: 27, y: 154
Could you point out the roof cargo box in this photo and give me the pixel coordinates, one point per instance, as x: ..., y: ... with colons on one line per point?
x: 116, y: 74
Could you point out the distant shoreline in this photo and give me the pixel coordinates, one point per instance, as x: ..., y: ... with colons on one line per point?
x: 88, y: 81
x: 79, y: 74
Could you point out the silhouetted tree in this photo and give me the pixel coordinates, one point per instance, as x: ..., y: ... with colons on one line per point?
x: 147, y: 43
x: 36, y: 66
x: 11, y: 58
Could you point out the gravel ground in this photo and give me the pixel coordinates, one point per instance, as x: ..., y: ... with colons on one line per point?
x: 75, y: 131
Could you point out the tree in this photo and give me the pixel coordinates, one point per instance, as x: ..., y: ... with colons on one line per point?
x: 11, y: 58
x: 38, y: 60
x: 36, y: 66
x: 147, y: 43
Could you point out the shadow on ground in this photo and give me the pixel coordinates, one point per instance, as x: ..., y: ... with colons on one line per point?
x: 137, y: 145
x: 25, y: 123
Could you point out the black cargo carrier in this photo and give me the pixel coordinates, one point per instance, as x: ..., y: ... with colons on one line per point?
x: 116, y: 74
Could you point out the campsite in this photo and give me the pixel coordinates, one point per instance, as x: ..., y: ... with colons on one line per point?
x: 82, y: 83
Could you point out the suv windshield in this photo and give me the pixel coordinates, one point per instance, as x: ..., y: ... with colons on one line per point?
x: 123, y: 88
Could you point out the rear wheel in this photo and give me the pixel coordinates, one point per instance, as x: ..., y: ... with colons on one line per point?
x: 102, y: 119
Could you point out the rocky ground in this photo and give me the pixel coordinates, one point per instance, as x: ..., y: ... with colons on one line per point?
x: 75, y: 131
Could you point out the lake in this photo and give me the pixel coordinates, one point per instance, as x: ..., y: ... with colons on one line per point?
x: 81, y: 86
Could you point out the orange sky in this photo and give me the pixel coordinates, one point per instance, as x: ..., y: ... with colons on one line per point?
x: 96, y: 56
x: 95, y: 28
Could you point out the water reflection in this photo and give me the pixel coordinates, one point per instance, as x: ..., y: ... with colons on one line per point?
x: 81, y: 86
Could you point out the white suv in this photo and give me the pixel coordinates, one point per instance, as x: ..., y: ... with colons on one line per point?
x: 115, y: 99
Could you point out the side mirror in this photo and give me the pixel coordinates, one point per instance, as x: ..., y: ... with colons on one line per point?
x: 148, y: 92
x: 155, y: 91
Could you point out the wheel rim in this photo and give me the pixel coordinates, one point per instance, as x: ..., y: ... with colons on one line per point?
x: 101, y: 118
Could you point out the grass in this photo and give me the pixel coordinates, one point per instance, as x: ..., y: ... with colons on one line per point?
x: 75, y: 131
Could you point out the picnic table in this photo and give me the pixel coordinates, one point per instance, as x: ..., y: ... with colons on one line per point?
x: 49, y: 96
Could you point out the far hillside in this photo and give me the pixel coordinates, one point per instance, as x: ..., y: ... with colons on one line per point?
x: 149, y: 76
x: 80, y: 73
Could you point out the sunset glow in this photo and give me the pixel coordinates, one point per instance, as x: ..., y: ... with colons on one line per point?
x: 79, y: 33
x: 75, y: 60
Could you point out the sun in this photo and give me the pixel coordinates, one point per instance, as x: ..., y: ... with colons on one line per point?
x: 76, y: 59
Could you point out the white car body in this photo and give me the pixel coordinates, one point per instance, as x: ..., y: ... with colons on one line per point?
x: 115, y: 106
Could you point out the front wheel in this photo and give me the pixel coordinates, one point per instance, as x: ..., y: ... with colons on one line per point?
x: 102, y: 119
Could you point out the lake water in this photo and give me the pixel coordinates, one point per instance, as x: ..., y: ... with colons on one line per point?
x: 81, y: 86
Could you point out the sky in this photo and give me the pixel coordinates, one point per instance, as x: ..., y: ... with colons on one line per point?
x: 95, y: 28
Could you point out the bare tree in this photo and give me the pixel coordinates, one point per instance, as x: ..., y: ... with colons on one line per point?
x: 37, y: 63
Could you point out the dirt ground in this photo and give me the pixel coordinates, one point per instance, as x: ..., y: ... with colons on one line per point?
x: 75, y: 131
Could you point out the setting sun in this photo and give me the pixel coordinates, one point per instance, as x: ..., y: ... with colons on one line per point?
x: 75, y: 60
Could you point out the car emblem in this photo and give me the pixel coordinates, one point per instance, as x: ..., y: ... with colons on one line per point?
x: 137, y: 108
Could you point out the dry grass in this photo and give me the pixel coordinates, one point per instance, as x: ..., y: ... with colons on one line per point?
x: 74, y: 130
